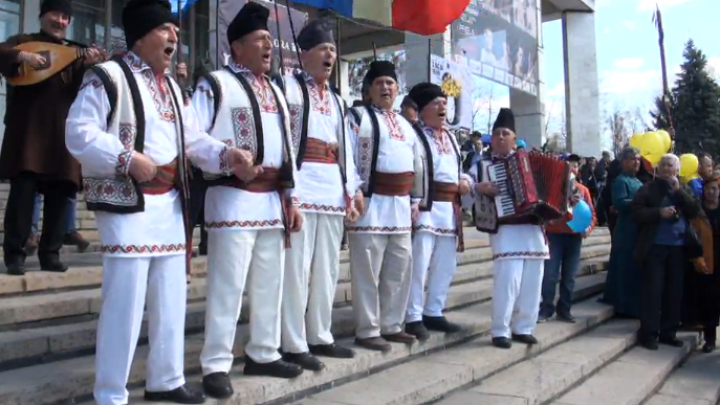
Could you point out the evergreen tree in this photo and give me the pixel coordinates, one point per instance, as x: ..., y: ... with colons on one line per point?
x: 694, y: 106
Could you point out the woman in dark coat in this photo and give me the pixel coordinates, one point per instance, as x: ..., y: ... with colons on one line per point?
x: 701, y: 300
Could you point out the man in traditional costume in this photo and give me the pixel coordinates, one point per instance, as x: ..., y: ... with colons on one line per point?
x: 519, y: 249
x: 247, y: 220
x: 390, y: 167
x: 438, y: 228
x: 34, y: 157
x: 129, y: 131
x: 326, y: 178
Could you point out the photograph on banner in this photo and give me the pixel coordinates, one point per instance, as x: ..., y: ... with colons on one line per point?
x: 457, y: 83
x: 357, y: 68
x: 497, y: 49
x: 228, y: 9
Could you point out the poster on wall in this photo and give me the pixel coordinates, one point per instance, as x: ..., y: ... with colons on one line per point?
x: 228, y: 9
x: 456, y: 81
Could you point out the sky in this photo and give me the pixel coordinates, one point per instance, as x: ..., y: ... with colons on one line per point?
x: 628, y: 56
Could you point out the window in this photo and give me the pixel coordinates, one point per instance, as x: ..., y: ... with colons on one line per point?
x: 9, y: 18
x: 88, y: 23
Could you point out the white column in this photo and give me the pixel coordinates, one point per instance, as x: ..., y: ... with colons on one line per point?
x: 581, y: 84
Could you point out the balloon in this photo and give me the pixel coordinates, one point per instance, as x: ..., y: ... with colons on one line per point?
x: 636, y: 141
x: 665, y: 136
x: 688, y: 165
x: 582, y: 217
x: 521, y: 143
x: 652, y: 147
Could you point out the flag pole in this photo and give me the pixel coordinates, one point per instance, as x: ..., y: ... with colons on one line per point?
x: 666, y: 96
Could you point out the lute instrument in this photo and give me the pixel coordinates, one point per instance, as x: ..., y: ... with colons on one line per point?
x: 57, y: 58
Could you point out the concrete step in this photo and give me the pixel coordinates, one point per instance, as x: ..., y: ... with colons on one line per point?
x: 373, y: 378
x: 538, y: 380
x: 430, y: 378
x: 71, y: 379
x: 630, y: 379
x: 86, y: 268
x: 696, y: 382
x: 33, y: 308
x: 55, y: 340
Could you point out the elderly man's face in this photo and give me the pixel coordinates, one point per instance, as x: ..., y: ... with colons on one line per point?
x: 667, y: 168
x: 631, y: 164
x: 55, y: 23
x: 383, y: 92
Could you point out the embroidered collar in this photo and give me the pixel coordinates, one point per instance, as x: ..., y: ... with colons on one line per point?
x: 435, y: 132
x: 384, y: 112
x: 310, y: 80
x: 136, y: 64
x: 238, y: 68
x: 496, y: 156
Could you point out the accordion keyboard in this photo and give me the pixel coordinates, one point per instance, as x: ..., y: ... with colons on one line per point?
x: 498, y: 174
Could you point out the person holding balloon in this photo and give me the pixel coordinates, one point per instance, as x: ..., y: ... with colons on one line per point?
x: 565, y: 238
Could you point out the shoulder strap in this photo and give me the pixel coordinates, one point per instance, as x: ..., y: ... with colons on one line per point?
x: 110, y: 89
x: 376, y: 148
x: 217, y: 95
x: 305, y: 121
x: 356, y: 115
x: 137, y: 105
x: 260, y: 156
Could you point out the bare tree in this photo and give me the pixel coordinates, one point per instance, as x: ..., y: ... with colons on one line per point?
x: 618, y: 125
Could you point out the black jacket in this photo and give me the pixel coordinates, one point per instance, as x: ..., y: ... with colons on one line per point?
x: 645, y: 209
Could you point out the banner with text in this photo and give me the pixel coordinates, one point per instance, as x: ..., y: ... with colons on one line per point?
x: 456, y: 81
x: 282, y: 41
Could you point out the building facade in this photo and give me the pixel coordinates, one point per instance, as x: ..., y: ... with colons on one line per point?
x: 500, y: 40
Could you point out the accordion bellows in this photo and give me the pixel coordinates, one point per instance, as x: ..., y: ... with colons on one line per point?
x: 531, y: 186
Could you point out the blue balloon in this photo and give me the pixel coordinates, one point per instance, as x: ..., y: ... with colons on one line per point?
x: 582, y: 217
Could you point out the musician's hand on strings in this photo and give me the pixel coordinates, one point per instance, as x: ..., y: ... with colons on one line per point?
x: 142, y: 168
x: 33, y: 59
x: 295, y: 219
x: 94, y: 55
x: 487, y: 188
x: 352, y: 215
x: 463, y: 187
x: 415, y: 211
x: 667, y: 212
x: 360, y: 202
x: 181, y: 71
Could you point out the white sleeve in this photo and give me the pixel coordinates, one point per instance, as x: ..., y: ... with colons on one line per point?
x: 86, y: 136
x: 203, y: 103
x: 206, y: 152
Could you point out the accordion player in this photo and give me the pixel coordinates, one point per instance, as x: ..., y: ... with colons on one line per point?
x: 531, y: 188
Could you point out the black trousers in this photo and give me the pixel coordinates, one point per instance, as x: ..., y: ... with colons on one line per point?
x: 19, y: 215
x: 198, y: 188
x: 662, y: 288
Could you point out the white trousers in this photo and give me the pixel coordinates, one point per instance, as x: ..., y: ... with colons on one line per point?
x: 312, y: 268
x: 234, y: 259
x: 380, y: 266
x: 126, y: 281
x: 516, y: 296
x: 436, y: 255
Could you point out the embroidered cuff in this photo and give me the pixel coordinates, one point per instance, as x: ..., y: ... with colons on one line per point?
x: 224, y: 161
x: 122, y: 166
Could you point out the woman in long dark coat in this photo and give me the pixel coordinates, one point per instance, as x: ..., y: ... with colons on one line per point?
x: 701, y: 301
x: 622, y: 288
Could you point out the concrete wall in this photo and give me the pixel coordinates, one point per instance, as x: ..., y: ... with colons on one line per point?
x: 581, y: 84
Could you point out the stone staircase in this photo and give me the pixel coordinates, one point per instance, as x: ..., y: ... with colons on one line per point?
x: 48, y: 325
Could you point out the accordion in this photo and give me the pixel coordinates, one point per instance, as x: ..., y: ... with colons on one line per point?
x: 531, y: 186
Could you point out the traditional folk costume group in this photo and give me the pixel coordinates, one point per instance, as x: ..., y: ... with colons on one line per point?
x: 287, y: 171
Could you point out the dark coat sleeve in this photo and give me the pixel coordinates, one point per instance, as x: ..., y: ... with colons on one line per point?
x: 9, y: 56
x: 641, y: 207
x: 689, y: 206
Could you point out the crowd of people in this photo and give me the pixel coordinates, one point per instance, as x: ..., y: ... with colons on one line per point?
x: 282, y: 173
x: 665, y: 235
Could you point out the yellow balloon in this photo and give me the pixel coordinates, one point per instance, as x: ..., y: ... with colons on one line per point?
x: 689, y: 165
x: 666, y: 139
x: 652, y: 147
x: 636, y: 140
